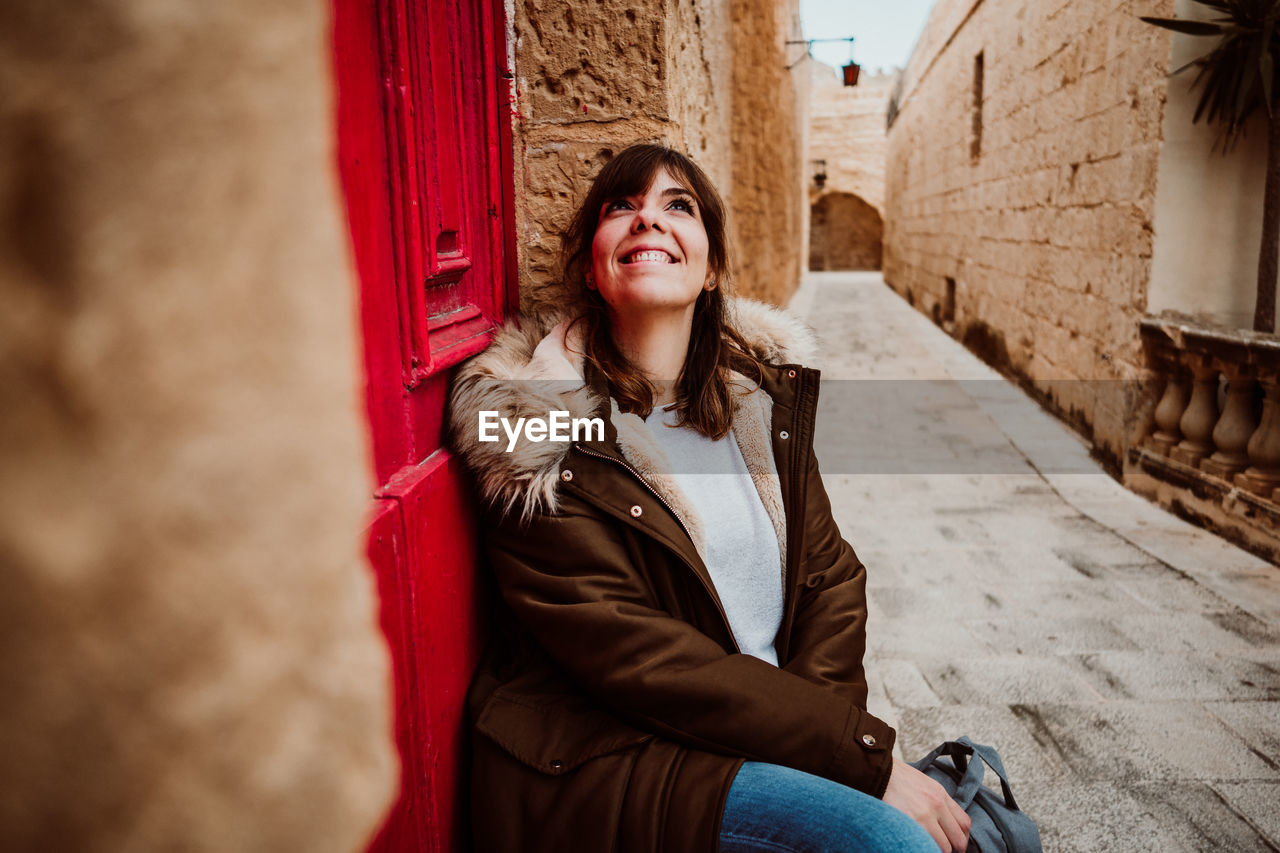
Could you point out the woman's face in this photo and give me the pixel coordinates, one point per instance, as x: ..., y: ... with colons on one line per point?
x: 650, y: 250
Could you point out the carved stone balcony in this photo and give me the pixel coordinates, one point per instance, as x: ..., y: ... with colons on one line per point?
x: 1212, y: 449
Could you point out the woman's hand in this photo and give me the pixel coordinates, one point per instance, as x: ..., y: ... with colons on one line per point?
x: 928, y: 803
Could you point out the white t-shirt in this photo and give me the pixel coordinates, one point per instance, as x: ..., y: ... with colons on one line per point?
x: 741, y: 544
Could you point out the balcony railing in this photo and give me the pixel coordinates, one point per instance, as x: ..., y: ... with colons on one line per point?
x: 1216, y: 428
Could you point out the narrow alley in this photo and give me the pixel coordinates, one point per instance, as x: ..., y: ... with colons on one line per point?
x: 253, y: 255
x: 1126, y: 664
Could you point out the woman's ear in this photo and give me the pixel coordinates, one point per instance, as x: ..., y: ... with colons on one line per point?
x: 710, y: 285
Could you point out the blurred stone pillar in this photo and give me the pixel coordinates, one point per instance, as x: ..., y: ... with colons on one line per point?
x: 189, y: 650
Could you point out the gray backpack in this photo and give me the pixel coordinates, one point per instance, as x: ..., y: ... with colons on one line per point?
x: 997, y: 826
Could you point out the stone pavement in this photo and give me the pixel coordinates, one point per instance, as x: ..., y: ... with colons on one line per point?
x: 1125, y: 663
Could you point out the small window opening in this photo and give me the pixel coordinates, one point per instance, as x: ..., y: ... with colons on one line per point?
x: 975, y: 141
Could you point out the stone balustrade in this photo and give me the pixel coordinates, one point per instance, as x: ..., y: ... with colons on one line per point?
x: 1219, y: 411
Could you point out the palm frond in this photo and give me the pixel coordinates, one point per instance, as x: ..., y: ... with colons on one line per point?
x: 1238, y: 75
x: 1247, y: 80
x: 1199, y: 60
x: 1220, y: 5
x: 1191, y: 28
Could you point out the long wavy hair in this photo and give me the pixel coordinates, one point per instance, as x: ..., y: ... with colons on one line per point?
x: 703, y: 395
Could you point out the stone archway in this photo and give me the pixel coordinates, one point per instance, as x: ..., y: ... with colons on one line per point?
x: 845, y: 233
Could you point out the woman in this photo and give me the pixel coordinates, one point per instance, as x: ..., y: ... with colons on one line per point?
x: 681, y: 669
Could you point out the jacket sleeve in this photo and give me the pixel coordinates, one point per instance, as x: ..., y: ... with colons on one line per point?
x: 570, y: 578
x: 829, y: 635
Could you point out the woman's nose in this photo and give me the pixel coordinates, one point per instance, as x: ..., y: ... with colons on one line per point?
x: 646, y: 219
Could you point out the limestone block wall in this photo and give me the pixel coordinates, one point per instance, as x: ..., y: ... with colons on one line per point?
x: 707, y: 77
x: 847, y: 130
x: 1025, y: 224
x: 769, y: 219
x: 846, y: 133
x: 845, y: 233
x: 189, y: 651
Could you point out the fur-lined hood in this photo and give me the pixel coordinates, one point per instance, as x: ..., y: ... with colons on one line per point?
x: 532, y: 370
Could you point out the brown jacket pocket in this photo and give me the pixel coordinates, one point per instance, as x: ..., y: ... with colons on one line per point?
x: 553, y: 736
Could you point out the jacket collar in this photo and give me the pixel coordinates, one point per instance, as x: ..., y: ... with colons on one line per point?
x: 530, y: 370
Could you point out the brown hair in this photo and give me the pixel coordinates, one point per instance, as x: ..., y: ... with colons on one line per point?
x: 715, y: 347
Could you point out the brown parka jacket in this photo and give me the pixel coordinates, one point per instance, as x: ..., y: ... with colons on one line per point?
x: 613, y: 708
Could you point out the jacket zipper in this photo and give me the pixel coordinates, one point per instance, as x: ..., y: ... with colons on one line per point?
x: 715, y: 599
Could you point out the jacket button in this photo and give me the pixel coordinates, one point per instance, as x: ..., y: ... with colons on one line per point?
x: 791, y: 374
x: 566, y: 475
x: 784, y: 435
x: 636, y: 511
x: 869, y: 740
x: 557, y: 764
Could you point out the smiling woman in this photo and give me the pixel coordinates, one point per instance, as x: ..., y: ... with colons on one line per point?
x: 681, y: 669
x: 650, y: 252
x: 641, y: 314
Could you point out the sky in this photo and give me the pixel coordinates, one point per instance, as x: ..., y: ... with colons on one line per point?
x: 884, y: 30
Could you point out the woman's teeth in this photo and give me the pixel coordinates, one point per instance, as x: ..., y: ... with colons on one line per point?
x: 640, y: 257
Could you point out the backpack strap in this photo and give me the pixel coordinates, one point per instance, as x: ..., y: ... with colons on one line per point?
x: 992, y: 760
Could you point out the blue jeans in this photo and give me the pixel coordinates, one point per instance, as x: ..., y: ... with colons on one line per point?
x: 773, y: 809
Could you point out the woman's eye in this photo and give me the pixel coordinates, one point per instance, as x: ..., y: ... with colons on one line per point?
x: 681, y: 204
x: 617, y: 204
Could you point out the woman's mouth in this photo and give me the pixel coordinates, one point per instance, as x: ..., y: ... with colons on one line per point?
x: 649, y: 256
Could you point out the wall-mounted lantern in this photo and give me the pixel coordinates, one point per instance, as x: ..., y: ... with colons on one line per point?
x: 851, y: 70
x: 819, y: 173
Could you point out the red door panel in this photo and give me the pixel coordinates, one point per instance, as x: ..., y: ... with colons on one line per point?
x: 407, y: 826
x: 424, y: 153
x: 445, y: 635
x: 424, y: 148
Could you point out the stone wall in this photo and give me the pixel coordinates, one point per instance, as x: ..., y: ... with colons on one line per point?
x: 766, y: 199
x: 847, y: 130
x: 845, y: 233
x: 707, y: 77
x: 1035, y: 210
x: 847, y: 134
x: 189, y: 651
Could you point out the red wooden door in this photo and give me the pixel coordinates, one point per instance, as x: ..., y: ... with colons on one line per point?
x: 424, y: 155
